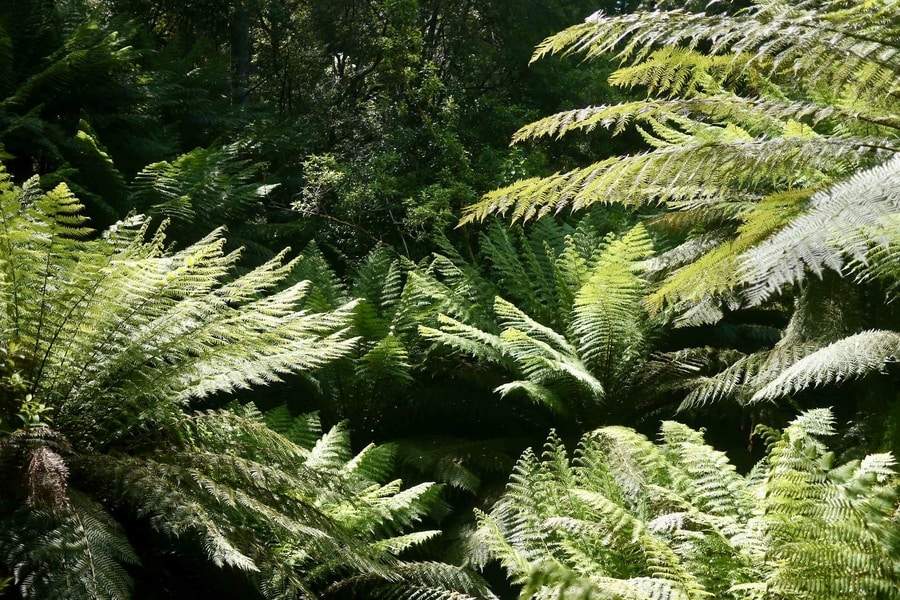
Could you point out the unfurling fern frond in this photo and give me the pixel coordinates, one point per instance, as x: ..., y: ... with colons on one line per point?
x: 631, y: 519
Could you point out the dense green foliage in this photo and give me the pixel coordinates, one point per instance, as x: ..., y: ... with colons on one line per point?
x: 627, y: 518
x: 188, y: 406
x: 112, y: 346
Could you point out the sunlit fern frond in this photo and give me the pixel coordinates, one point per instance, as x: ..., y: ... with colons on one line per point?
x: 853, y: 225
x: 828, y: 528
x: 676, y: 520
x: 133, y: 323
x: 851, y: 357
x: 717, y: 272
x: 700, y: 173
x: 111, y: 338
x: 831, y: 42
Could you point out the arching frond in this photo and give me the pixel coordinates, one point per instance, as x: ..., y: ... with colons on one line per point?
x: 705, y: 171
x: 851, y: 357
x: 854, y: 223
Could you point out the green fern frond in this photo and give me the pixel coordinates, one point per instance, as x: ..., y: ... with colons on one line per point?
x: 116, y: 335
x: 761, y: 115
x: 303, y: 430
x: 607, y: 309
x: 160, y: 325
x: 842, y: 226
x: 746, y: 375
x: 464, y: 338
x: 76, y: 552
x: 331, y: 451
x: 678, y: 520
x: 201, y: 187
x: 458, y: 463
x: 851, y: 357
x: 387, y: 359
x: 717, y: 272
x: 815, y: 40
x: 682, y: 176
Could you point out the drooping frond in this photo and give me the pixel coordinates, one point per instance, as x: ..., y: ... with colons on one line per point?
x: 77, y: 551
x: 747, y: 374
x: 849, y: 358
x: 853, y: 225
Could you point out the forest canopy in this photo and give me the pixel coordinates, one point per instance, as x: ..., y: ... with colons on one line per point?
x: 411, y: 299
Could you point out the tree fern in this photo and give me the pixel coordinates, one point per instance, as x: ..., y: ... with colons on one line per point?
x: 587, y: 349
x: 631, y: 519
x: 782, y: 100
x: 770, y: 142
x: 109, y: 340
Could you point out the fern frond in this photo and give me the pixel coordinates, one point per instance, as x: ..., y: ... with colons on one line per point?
x: 828, y: 42
x: 677, y: 520
x: 422, y: 581
x: 607, y: 309
x: 464, y: 338
x: 202, y: 188
x: 77, y: 552
x: 851, y: 357
x: 842, y: 226
x: 696, y: 173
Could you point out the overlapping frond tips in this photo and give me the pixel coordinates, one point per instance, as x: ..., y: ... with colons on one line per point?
x: 854, y: 223
x: 633, y: 519
x: 829, y: 42
x: 125, y: 319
